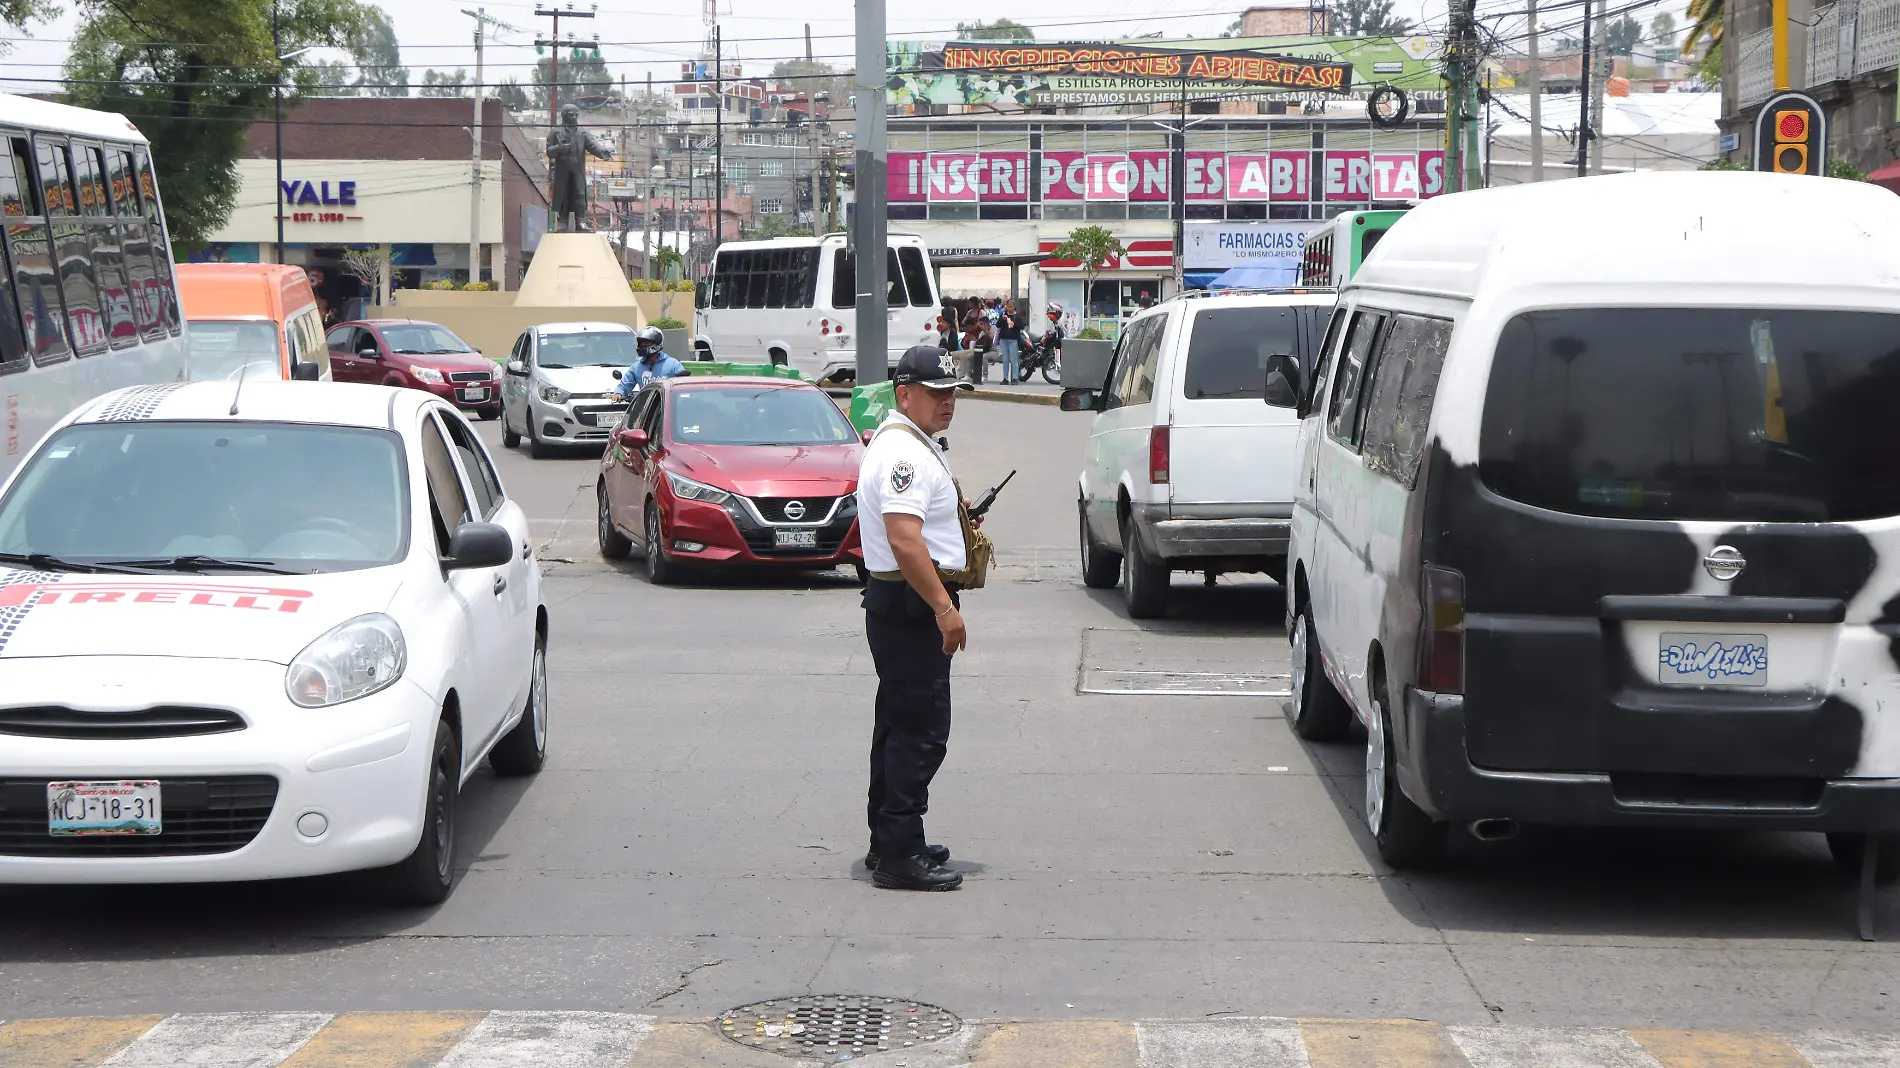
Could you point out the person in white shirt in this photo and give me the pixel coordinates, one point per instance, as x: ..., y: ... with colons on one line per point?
x: 911, y: 529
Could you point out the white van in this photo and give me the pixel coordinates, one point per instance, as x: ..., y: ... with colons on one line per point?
x: 1599, y: 518
x: 1186, y: 469
x: 792, y: 301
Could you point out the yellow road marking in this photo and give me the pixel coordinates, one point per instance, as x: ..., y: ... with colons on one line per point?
x: 1066, y: 1044
x: 385, y: 1040
x: 1379, y: 1044
x: 677, y: 1045
x: 75, y: 1042
x: 1717, y: 1049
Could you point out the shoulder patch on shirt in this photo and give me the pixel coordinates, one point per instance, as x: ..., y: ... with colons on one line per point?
x: 902, y: 475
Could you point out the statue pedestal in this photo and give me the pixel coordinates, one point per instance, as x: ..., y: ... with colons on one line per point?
x: 575, y: 271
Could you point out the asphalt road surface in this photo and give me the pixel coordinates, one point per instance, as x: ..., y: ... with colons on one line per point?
x: 1135, y: 849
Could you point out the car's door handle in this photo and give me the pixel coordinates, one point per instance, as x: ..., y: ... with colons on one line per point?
x: 525, y: 550
x: 501, y: 583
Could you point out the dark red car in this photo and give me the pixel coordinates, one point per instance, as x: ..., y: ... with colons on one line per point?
x: 758, y: 471
x: 419, y: 355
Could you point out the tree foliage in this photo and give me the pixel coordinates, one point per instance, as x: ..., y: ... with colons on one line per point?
x: 1662, y: 30
x: 1000, y: 30
x: 1090, y: 246
x: 771, y: 226
x: 1705, y: 23
x: 193, y: 77
x: 18, y: 13
x: 332, y: 77
x: 583, y: 73
x: 1367, y: 18
x: 1622, y: 36
x: 382, y: 71
x: 512, y: 96
x: 436, y: 83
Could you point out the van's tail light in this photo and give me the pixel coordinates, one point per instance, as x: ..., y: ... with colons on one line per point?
x: 1158, y: 448
x: 1441, y: 647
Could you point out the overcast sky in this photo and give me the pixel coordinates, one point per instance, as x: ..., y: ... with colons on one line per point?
x: 642, y: 36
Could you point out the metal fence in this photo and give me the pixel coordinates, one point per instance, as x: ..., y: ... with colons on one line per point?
x: 1755, y: 68
x: 1831, y: 43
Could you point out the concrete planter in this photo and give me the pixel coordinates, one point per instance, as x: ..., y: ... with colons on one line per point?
x: 678, y: 343
x: 1085, y: 363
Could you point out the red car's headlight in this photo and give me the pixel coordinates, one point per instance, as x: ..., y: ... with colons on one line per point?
x: 686, y: 489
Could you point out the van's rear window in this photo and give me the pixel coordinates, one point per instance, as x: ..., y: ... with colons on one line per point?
x: 1705, y: 413
x: 1227, y: 353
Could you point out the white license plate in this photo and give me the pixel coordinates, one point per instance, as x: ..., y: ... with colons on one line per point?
x: 1713, y: 660
x: 125, y: 806
x: 796, y: 539
x: 479, y: 393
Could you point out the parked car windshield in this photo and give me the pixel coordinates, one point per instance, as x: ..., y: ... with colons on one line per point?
x: 587, y: 350
x: 305, y: 498
x: 423, y: 339
x: 222, y: 348
x: 1228, y: 350
x: 1697, y: 413
x: 768, y: 416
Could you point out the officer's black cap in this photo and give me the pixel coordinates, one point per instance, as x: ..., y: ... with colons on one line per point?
x: 928, y: 365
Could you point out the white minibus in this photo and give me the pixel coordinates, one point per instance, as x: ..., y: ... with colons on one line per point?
x: 792, y: 301
x: 87, y: 300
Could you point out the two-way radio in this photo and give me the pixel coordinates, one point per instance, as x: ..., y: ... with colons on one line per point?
x: 989, y: 498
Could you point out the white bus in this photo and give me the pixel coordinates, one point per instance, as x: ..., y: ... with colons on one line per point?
x: 792, y: 301
x: 87, y: 301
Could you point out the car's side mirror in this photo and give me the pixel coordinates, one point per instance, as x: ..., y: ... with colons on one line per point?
x: 1283, y: 381
x: 477, y: 545
x: 866, y: 436
x: 516, y: 367
x: 616, y: 375
x: 370, y: 352
x: 634, y: 439
x: 1080, y: 399
x: 306, y: 372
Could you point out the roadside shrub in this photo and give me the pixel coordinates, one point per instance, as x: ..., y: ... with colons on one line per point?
x: 667, y: 324
x: 475, y: 287
x: 439, y: 284
x: 683, y: 285
x: 1089, y: 333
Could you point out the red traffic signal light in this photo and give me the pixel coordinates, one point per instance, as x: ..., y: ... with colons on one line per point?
x: 1791, y: 135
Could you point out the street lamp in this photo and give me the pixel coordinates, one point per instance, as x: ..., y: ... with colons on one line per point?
x: 277, y: 120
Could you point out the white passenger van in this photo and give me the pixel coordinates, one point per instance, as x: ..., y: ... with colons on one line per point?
x: 792, y: 301
x: 87, y: 301
x: 1600, y: 515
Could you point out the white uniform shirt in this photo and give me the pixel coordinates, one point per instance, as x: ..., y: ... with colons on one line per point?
x: 903, y: 476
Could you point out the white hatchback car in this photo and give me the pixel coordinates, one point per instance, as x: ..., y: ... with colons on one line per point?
x: 258, y: 630
x: 560, y: 382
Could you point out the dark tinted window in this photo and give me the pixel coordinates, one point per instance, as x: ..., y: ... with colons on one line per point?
x: 115, y: 294
x: 1399, y: 406
x: 1717, y: 414
x: 89, y: 176
x: 1321, y: 366
x: 36, y: 286
x: 449, y: 505
x: 481, y: 473
x: 916, y: 278
x: 124, y: 186
x: 79, y: 281
x: 55, y: 178
x: 1349, y: 372
x: 894, y: 276
x: 17, y: 196
x: 165, y: 296
x: 801, y: 289
x: 844, y: 280
x: 12, y: 336
x: 1228, y: 350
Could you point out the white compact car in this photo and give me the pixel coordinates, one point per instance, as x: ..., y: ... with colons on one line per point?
x: 560, y: 382
x: 1188, y: 469
x: 257, y: 630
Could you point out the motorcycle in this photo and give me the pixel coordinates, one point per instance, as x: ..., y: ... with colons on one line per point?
x: 1039, y: 354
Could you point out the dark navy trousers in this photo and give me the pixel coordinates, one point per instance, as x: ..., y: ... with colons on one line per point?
x: 912, y: 728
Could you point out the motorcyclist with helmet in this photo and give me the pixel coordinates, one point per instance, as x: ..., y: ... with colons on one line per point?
x: 651, y: 364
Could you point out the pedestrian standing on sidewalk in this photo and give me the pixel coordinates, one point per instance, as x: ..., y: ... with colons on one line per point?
x: 921, y: 549
x: 1009, y: 340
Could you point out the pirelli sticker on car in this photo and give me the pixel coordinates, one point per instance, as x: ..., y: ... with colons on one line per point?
x: 902, y: 475
x: 256, y: 598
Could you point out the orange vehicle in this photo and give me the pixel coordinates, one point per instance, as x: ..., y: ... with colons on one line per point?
x: 251, y: 319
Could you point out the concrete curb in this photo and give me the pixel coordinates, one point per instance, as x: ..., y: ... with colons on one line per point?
x: 1017, y: 398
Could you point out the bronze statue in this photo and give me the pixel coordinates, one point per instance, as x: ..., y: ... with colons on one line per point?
x: 568, y: 148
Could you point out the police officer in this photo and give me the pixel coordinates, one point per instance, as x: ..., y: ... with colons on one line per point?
x: 913, y: 538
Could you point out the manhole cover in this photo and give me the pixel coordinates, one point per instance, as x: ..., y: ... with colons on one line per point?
x: 836, y: 1026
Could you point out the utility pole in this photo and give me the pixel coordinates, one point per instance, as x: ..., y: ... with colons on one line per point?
x: 482, y: 22
x: 1583, y: 99
x: 719, y: 141
x: 869, y: 231
x: 1778, y: 24
x: 553, y: 44
x: 1462, y: 60
x: 1535, y: 75
x: 1598, y: 87
x: 277, y: 121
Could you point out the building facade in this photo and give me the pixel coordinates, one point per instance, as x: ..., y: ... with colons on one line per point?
x: 1845, y: 54
x: 364, y: 172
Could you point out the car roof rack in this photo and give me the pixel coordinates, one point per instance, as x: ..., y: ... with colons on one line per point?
x: 1252, y: 291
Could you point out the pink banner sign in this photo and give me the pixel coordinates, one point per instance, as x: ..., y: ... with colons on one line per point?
x: 1395, y: 176
x: 952, y: 177
x: 1431, y: 170
x: 904, y: 178
x: 1064, y: 176
x: 957, y: 177
x: 1290, y: 175
x: 1151, y: 174
x: 1110, y: 177
x: 1247, y: 176
x: 1346, y: 176
x: 1206, y: 176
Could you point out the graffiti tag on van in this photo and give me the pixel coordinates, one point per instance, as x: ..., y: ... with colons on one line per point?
x: 1720, y: 658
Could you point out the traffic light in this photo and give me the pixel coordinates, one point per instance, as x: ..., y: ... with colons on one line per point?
x: 1791, y: 135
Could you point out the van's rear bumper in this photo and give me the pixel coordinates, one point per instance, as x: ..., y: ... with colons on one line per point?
x: 1451, y: 788
x: 1169, y: 536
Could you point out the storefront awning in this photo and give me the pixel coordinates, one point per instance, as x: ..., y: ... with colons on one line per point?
x: 1887, y: 177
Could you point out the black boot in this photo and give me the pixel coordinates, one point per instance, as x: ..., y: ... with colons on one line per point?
x: 916, y: 873
x: 938, y: 854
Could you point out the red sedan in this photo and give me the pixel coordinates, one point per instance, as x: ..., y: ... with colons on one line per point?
x: 418, y: 355
x: 754, y: 471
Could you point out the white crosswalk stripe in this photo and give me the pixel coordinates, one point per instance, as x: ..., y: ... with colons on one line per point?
x: 1549, y: 1047
x: 1261, y: 1042
x: 1838, y: 1049
x: 221, y: 1040
x: 550, y: 1040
